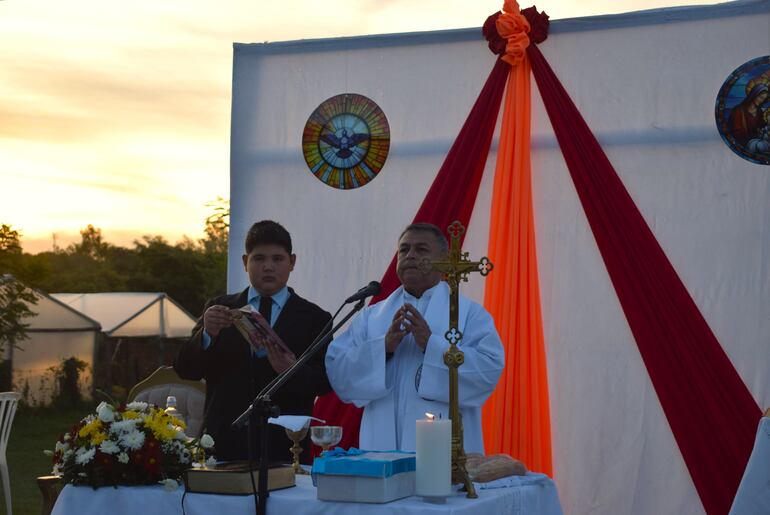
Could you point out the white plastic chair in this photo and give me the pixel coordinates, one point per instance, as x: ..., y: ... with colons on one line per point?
x: 190, y: 395
x: 8, y: 403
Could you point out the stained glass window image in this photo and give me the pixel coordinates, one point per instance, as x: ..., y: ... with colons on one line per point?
x: 346, y: 141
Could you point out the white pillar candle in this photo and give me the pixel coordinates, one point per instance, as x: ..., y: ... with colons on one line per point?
x: 434, y: 458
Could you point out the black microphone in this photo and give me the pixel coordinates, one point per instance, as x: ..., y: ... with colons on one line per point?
x: 373, y: 288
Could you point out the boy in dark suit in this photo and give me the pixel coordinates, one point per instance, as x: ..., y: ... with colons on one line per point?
x: 233, y: 371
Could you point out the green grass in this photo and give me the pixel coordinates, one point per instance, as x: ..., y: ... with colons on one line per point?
x: 33, y: 430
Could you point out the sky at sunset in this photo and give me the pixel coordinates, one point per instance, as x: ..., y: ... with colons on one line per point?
x: 117, y: 114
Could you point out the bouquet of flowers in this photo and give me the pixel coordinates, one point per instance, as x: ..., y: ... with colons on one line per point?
x: 134, y: 444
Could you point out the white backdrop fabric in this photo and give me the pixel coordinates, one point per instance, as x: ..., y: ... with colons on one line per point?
x: 753, y: 494
x: 646, y: 83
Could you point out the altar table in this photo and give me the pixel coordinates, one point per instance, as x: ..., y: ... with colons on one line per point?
x: 534, y: 494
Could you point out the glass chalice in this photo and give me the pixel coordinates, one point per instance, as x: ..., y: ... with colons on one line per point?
x: 326, y: 436
x: 296, y: 449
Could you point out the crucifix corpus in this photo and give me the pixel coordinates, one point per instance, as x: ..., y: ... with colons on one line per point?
x: 456, y: 268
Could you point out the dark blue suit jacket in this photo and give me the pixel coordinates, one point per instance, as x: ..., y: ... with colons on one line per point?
x: 234, y: 377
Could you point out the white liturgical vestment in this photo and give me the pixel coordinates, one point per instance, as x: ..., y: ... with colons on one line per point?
x: 398, y: 390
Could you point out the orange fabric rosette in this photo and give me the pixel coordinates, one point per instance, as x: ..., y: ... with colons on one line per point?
x: 514, y: 27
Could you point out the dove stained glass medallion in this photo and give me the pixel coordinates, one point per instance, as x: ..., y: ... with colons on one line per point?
x: 346, y: 141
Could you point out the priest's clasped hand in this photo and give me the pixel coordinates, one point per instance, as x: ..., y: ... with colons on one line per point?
x: 407, y: 320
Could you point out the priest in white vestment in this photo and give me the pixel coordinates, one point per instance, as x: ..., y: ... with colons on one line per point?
x: 390, y: 361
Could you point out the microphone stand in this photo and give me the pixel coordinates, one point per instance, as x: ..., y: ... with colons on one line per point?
x: 310, y: 347
x: 262, y: 407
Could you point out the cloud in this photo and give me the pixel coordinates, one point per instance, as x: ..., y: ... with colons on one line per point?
x: 74, y: 101
x: 30, y: 125
x: 127, y: 184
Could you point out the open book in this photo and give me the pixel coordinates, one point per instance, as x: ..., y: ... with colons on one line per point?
x: 257, y: 331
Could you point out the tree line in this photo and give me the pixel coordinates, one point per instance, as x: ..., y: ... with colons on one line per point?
x: 190, y: 271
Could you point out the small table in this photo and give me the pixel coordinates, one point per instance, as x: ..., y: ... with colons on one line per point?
x: 534, y: 494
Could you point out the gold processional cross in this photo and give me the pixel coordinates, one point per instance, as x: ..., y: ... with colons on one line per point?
x: 456, y: 269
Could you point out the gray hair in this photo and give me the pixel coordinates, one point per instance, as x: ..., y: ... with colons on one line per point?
x: 431, y: 228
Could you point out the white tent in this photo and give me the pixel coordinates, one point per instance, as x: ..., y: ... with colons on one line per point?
x: 132, y: 314
x: 69, y: 325
x: 646, y: 83
x: 56, y: 332
x: 138, y: 333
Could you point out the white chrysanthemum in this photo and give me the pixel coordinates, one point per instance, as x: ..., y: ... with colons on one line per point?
x: 169, y: 485
x: 123, y: 426
x: 207, y: 442
x: 105, y: 412
x: 83, y: 455
x: 132, y: 440
x: 184, y: 456
x: 137, y: 406
x: 211, y: 462
x: 66, y: 436
x: 57, y: 470
x: 61, y: 446
x: 109, y: 447
x: 67, y: 454
x: 171, y: 446
x: 123, y: 457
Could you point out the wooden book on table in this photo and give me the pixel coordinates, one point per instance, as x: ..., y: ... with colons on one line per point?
x: 233, y: 478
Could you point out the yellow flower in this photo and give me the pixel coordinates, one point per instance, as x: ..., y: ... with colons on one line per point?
x: 161, y: 425
x: 130, y: 415
x: 92, y: 427
x: 98, y: 438
x: 169, y: 419
x: 177, y: 422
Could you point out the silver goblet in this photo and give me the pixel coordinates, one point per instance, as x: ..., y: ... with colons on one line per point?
x: 326, y: 436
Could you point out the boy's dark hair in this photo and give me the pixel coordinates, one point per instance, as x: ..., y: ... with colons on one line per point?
x: 431, y: 228
x: 267, y: 232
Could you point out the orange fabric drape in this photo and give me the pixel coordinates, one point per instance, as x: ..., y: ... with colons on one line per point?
x: 516, y: 418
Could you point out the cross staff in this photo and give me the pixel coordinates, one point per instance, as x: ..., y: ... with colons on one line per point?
x: 456, y: 268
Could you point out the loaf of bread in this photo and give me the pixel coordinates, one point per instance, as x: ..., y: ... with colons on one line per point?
x: 483, y: 469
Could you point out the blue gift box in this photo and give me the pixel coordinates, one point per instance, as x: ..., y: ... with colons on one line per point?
x: 355, y: 462
x: 364, y: 476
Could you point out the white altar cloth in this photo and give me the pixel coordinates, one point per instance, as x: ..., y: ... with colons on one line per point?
x: 535, y: 494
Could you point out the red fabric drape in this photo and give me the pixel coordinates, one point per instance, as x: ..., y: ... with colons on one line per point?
x: 451, y: 197
x: 711, y: 412
x: 453, y: 192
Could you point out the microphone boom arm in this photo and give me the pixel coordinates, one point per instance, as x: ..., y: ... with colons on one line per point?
x: 262, y: 407
x: 290, y: 372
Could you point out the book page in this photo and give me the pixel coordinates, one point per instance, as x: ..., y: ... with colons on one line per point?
x: 255, y: 329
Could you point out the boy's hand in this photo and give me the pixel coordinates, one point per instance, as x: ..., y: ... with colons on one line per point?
x: 215, y: 319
